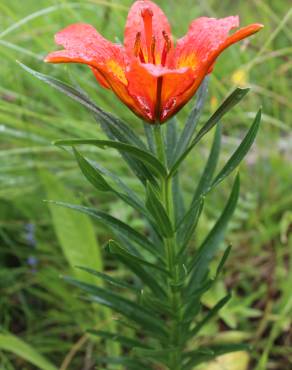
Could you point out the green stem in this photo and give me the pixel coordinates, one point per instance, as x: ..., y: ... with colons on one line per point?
x: 170, y: 245
x: 160, y: 150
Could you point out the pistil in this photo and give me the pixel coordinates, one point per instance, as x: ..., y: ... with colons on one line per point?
x: 147, y: 15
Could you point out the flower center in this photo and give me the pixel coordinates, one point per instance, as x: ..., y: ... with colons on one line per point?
x: 150, y: 54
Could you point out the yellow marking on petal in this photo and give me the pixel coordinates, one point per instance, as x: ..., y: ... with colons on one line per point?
x: 117, y: 70
x: 189, y: 60
x: 240, y: 77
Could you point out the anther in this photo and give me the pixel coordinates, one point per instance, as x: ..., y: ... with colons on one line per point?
x: 137, y: 45
x: 166, y: 47
x: 137, y: 48
x: 153, y: 44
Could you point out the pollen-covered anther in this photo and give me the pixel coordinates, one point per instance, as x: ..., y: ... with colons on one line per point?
x: 137, y: 48
x: 153, y: 45
x: 166, y: 47
x: 147, y: 15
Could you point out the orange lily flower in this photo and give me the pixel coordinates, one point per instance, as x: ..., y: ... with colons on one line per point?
x: 151, y: 75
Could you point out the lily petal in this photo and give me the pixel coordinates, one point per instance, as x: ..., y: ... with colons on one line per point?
x: 206, y: 40
x: 83, y: 44
x: 135, y: 25
x: 205, y: 35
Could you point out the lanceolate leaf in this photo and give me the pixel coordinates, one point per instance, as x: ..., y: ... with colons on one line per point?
x: 223, y: 260
x: 158, y: 212
x: 210, y: 245
x: 187, y: 229
x: 115, y: 224
x: 228, y: 104
x: 187, y: 225
x: 148, y: 159
x: 95, y: 177
x: 129, y: 309
x: 141, y: 272
x: 116, y: 249
x: 240, y: 152
x: 205, y: 354
x: 213, y: 312
x: 125, y: 341
x: 192, y: 121
x: 234, y: 98
x: 209, y: 170
x: 126, y: 362
x: 109, y: 279
x: 193, y: 304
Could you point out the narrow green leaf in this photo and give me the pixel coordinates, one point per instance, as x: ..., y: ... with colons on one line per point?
x: 185, y: 234
x: 156, y: 304
x: 213, y: 312
x: 116, y: 249
x: 233, y: 99
x: 125, y: 341
x: 194, y: 301
x: 136, y: 265
x: 148, y: 159
x: 205, y: 354
x: 210, y: 167
x: 192, y: 121
x: 94, y: 176
x: 178, y: 199
x: 18, y: 347
x: 158, y: 212
x: 240, y: 152
x: 154, y: 355
x: 129, y: 363
x: 109, y: 279
x: 189, y: 222
x: 223, y: 260
x: 115, y: 224
x: 129, y: 309
x: 210, y: 245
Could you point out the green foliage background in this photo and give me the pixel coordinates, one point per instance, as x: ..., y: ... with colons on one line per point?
x: 36, y: 304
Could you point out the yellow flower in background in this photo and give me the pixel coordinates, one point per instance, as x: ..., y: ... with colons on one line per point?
x: 214, y: 103
x: 240, y: 77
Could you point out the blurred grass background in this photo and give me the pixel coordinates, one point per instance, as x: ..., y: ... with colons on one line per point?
x: 36, y: 248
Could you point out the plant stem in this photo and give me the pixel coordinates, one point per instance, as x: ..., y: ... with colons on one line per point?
x: 170, y: 245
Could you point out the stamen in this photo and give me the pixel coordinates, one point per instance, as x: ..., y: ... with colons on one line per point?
x: 153, y: 44
x: 147, y: 15
x: 137, y: 45
x: 166, y: 47
x: 137, y: 48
